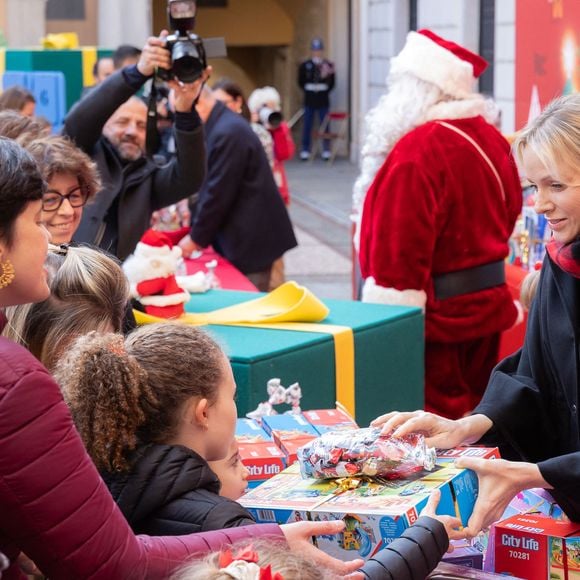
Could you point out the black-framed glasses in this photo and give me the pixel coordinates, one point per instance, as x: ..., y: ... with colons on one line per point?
x: 52, y: 200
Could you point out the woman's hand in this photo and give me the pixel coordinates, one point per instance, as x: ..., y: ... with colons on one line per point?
x: 451, y: 523
x: 298, y: 536
x: 499, y: 482
x: 439, y: 432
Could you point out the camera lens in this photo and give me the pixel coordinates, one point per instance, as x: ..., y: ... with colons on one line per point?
x: 270, y: 118
x: 187, y: 65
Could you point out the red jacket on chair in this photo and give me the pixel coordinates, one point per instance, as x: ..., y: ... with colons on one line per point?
x: 55, y: 508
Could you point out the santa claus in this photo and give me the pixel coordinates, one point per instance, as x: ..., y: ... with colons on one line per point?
x: 435, y: 204
x: 151, y: 272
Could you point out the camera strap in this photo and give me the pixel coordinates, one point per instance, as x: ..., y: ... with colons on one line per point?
x: 152, y: 138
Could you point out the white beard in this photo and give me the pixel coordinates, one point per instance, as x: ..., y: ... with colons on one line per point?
x: 409, y: 103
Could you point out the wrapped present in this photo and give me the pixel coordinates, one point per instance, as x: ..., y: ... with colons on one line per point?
x: 375, y: 511
x: 364, y: 452
x: 537, y: 548
x: 388, y: 355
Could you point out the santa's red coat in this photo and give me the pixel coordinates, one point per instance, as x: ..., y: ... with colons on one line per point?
x: 162, y: 297
x: 436, y: 207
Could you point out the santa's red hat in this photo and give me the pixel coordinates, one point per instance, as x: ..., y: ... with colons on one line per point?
x: 442, y: 62
x: 154, y: 242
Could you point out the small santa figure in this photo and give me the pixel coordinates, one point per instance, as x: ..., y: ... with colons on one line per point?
x: 151, y: 272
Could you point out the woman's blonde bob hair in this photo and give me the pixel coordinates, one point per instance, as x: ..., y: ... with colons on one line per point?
x: 88, y: 291
x: 554, y: 136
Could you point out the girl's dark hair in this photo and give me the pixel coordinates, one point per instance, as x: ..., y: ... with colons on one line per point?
x: 127, y: 393
x: 20, y: 183
x: 235, y: 91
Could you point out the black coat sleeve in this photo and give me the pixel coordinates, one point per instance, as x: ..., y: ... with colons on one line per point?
x: 183, y: 176
x: 226, y: 514
x: 84, y: 124
x: 412, y: 556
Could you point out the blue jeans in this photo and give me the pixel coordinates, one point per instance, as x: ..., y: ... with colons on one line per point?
x: 309, y: 114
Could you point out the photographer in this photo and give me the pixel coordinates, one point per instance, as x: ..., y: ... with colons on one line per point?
x: 264, y: 105
x: 110, y: 126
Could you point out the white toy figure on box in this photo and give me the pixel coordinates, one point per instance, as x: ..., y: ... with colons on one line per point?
x: 151, y: 273
x: 278, y: 395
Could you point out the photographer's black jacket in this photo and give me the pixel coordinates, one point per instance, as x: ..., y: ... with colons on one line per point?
x: 119, y: 215
x: 532, y: 396
x: 170, y: 491
x: 240, y: 210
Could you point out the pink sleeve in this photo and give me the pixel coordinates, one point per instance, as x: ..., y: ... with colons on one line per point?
x: 54, y: 505
x: 283, y: 143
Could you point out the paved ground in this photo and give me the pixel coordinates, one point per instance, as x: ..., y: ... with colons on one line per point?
x: 320, y: 210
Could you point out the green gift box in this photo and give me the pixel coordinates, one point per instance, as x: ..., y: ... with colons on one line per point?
x: 388, y: 347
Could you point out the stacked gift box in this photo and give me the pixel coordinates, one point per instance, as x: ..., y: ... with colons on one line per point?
x: 375, y: 512
x: 269, y: 448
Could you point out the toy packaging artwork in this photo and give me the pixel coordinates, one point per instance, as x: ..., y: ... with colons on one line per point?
x: 537, y: 548
x: 364, y: 452
x: 375, y: 510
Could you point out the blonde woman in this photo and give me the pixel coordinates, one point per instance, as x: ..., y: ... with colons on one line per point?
x: 530, y: 406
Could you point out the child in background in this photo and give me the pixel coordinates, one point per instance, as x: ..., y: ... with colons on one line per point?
x: 152, y: 410
x: 232, y: 473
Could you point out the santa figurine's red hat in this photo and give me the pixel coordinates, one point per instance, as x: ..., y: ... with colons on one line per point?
x: 451, y: 67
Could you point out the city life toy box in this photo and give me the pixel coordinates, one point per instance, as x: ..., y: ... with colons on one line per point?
x: 537, y: 548
x: 388, y: 355
x: 375, y: 513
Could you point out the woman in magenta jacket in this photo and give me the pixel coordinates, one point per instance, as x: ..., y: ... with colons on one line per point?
x: 53, y: 505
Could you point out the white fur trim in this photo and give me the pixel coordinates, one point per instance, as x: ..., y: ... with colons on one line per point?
x: 428, y: 61
x: 521, y: 313
x: 169, y: 300
x: 145, y: 251
x: 376, y: 294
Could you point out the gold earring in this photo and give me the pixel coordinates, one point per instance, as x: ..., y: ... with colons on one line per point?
x: 6, y: 274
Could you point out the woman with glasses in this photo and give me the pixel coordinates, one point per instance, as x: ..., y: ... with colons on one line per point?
x: 72, y: 181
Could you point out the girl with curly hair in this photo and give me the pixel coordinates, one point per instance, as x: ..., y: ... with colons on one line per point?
x: 153, y: 409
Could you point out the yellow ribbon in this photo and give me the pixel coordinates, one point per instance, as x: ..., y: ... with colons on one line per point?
x: 289, y: 307
x: 90, y: 57
x: 60, y: 41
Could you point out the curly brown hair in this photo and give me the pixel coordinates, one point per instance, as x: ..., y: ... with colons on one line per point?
x: 21, y: 128
x: 124, y: 394
x: 58, y: 155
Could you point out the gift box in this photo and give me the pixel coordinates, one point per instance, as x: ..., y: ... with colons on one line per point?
x: 537, y: 548
x: 288, y: 427
x: 324, y: 420
x: 465, y: 554
x: 448, y: 571
x: 457, y: 452
x: 248, y: 431
x: 375, y: 512
x: 263, y: 461
x: 534, y: 501
x: 388, y: 347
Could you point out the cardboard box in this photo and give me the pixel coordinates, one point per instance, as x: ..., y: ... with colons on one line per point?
x: 447, y: 571
x: 479, y: 452
x: 324, y: 420
x: 263, y: 460
x: 389, y: 353
x: 534, y: 501
x: 537, y: 548
x: 465, y: 554
x: 248, y: 431
x: 288, y: 427
x: 375, y: 513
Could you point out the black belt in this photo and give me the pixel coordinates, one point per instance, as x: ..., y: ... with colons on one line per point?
x: 469, y: 280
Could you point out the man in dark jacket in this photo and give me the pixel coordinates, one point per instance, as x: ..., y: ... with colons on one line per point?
x: 110, y: 125
x: 239, y: 211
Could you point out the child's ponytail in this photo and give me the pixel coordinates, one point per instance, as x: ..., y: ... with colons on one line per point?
x: 106, y: 390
